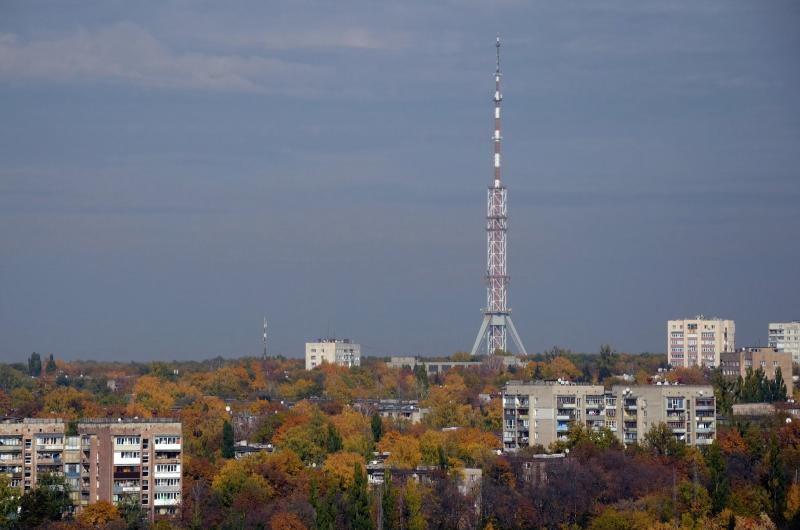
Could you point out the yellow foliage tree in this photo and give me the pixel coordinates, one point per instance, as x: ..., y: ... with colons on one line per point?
x: 286, y: 521
x: 151, y: 395
x: 339, y: 467
x: 98, y: 514
x: 403, y: 450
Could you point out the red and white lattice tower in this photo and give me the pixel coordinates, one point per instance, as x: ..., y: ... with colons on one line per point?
x: 497, y: 315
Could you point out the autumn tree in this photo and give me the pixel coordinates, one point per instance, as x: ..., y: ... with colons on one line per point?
x: 412, y: 512
x: 98, y: 514
x: 718, y: 478
x: 389, y: 503
x: 661, y: 442
x: 286, y: 521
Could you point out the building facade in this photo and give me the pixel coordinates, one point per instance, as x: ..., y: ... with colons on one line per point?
x: 541, y: 412
x: 341, y: 352
x: 688, y: 410
x: 735, y: 364
x: 699, y: 341
x: 785, y: 337
x: 106, y: 460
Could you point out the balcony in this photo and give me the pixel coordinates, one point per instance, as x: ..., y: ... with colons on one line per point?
x: 123, y: 490
x: 565, y: 404
x: 167, y: 447
x: 704, y: 441
x: 166, y: 502
x: 704, y: 429
x: 564, y: 416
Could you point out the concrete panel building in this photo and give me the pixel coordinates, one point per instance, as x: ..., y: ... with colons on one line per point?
x: 342, y: 352
x: 688, y: 410
x: 785, y: 337
x: 106, y: 460
x: 735, y: 364
x: 541, y: 412
x: 699, y: 341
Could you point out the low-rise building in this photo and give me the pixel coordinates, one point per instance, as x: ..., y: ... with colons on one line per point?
x: 433, y: 366
x: 688, y: 410
x: 785, y: 337
x: 699, y: 341
x: 244, y: 448
x: 341, y: 352
x: 395, y: 409
x: 735, y: 364
x: 541, y: 412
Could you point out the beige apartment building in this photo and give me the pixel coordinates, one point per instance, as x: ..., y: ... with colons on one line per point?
x: 688, y: 410
x: 785, y: 337
x: 541, y: 412
x: 735, y: 364
x: 106, y: 460
x: 342, y: 352
x: 699, y: 341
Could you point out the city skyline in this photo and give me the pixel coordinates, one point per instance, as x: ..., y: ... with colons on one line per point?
x: 172, y: 176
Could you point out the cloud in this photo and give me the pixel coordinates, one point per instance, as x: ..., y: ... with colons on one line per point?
x: 127, y: 53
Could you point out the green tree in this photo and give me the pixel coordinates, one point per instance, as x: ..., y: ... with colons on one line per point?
x: 377, y: 427
x: 389, y: 504
x: 227, y: 440
x: 334, y: 440
x: 718, y: 474
x: 50, y: 367
x: 48, y: 501
x: 130, y: 510
x: 35, y: 365
x: 775, y: 480
x: 605, y: 362
x: 358, y: 500
x: 324, y: 512
x: 661, y: 442
x: 9, y: 502
x: 778, y: 387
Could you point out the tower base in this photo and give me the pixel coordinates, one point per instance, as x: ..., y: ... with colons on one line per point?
x: 500, y: 320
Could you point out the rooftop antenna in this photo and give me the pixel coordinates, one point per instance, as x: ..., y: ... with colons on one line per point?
x: 265, y: 338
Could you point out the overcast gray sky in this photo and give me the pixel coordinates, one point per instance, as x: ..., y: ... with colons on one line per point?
x: 172, y: 171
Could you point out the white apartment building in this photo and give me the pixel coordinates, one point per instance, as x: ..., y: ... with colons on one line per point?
x: 699, y: 341
x: 785, y: 337
x: 342, y: 352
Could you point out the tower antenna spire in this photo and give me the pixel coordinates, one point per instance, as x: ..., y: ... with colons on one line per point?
x: 497, y: 315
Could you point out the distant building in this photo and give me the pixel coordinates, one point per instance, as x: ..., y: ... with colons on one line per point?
x: 735, y: 364
x: 688, y: 410
x: 341, y: 352
x: 541, y: 412
x: 699, y: 341
x: 433, y: 367
x: 785, y: 337
x: 244, y: 448
x: 106, y: 460
x: 396, y: 409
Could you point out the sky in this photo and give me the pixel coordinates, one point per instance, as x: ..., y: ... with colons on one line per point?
x: 173, y: 172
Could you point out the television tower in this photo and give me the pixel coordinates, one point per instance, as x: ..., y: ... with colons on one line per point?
x: 497, y: 315
x: 265, y: 338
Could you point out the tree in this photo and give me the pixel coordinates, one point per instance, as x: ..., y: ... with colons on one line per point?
x: 227, y: 440
x: 389, y: 504
x: 334, y: 440
x: 9, y: 502
x: 778, y: 387
x: 660, y: 440
x: 377, y: 427
x: 286, y: 521
x: 50, y: 368
x: 358, y: 500
x: 48, y: 501
x: 130, y: 510
x: 718, y: 474
x: 413, y: 508
x: 98, y: 514
x: 775, y: 480
x: 35, y: 365
x: 605, y: 362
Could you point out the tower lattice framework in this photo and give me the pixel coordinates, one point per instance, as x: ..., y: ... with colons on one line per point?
x: 497, y: 321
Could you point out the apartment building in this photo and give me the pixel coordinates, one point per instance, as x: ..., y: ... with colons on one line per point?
x: 541, y: 412
x: 342, y: 352
x: 688, y: 410
x: 735, y: 364
x: 699, y: 341
x: 785, y: 337
x: 138, y: 459
x: 106, y: 460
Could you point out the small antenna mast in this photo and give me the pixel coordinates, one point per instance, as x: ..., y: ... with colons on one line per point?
x: 265, y: 338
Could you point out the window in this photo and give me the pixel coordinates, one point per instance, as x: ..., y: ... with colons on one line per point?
x: 127, y: 440
x: 172, y: 440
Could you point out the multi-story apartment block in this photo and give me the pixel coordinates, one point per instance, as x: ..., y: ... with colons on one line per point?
x: 735, y: 364
x: 106, y: 460
x: 785, y: 337
x: 699, y: 341
x: 688, y: 410
x: 541, y: 412
x: 134, y: 459
x: 342, y: 352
